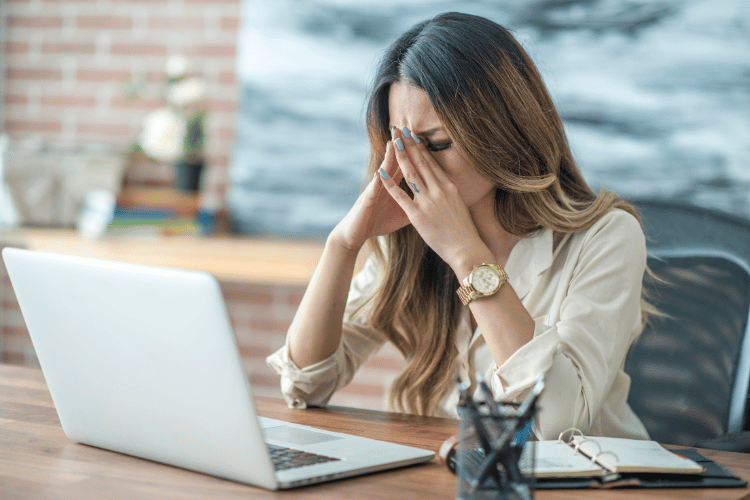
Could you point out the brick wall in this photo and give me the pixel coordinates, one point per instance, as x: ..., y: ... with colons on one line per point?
x: 65, y: 63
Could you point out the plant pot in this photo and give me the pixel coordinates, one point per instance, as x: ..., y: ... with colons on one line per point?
x: 188, y: 175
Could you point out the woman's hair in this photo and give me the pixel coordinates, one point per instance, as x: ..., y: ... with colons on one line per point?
x: 492, y: 101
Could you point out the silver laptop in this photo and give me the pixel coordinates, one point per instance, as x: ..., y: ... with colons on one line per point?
x: 142, y: 360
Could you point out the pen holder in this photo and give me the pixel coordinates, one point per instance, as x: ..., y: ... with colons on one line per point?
x: 495, y: 458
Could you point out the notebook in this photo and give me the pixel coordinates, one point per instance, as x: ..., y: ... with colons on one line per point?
x: 142, y: 360
x: 603, y: 462
x: 600, y: 456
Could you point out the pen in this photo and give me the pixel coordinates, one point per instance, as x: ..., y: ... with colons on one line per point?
x: 533, y: 396
x: 529, y: 404
x: 489, y: 398
x: 470, y: 457
x: 467, y: 401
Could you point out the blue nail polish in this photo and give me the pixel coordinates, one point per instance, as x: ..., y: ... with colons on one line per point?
x: 383, y: 174
x: 406, y: 132
x: 399, y: 145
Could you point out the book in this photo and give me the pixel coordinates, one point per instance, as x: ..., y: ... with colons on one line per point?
x: 600, y: 462
x: 601, y: 456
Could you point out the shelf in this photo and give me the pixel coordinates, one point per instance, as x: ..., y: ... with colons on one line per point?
x: 230, y: 259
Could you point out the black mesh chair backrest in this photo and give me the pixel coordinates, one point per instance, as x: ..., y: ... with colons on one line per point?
x: 685, y: 364
x: 690, y: 368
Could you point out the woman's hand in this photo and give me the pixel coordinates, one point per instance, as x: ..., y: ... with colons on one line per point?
x: 437, y: 210
x: 375, y: 212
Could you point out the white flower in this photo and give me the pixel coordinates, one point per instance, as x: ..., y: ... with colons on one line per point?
x: 163, y: 135
x: 177, y: 67
x: 186, y: 92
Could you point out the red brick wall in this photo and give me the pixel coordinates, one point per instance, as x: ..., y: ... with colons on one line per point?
x: 65, y: 62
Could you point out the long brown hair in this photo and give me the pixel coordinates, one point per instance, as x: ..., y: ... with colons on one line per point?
x: 491, y: 99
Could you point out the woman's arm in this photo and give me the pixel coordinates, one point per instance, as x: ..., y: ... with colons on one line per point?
x: 505, y: 323
x: 313, y: 385
x: 315, y: 332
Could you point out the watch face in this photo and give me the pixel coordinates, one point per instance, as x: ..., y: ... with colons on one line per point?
x: 485, y: 280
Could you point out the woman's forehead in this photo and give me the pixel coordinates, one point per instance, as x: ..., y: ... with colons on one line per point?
x: 410, y: 106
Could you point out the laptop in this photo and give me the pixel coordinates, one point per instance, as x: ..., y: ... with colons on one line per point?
x: 142, y: 360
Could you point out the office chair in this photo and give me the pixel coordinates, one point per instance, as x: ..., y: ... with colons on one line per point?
x: 690, y: 367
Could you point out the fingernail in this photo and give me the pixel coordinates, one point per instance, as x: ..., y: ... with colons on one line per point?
x: 383, y: 174
x: 399, y: 144
x: 406, y: 132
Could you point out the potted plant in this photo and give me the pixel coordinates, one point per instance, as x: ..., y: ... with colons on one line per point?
x: 176, y: 133
x: 189, y: 166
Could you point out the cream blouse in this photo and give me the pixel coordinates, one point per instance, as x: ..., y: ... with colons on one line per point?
x: 583, y: 291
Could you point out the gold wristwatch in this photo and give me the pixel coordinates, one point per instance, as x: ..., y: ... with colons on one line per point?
x: 483, y: 280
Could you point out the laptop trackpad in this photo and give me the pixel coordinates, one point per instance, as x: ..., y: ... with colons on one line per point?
x: 295, y: 435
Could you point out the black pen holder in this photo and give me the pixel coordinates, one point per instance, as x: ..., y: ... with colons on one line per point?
x: 494, y: 455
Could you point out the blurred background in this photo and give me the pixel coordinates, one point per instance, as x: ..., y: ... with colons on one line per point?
x: 99, y: 95
x: 106, y: 94
x: 655, y: 96
x: 228, y: 135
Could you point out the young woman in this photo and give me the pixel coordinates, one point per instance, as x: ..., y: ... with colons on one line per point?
x: 490, y: 253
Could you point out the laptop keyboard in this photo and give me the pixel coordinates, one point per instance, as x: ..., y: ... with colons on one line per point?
x: 287, y: 458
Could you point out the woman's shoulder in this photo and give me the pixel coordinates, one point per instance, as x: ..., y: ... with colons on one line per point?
x: 620, y: 219
x: 616, y: 228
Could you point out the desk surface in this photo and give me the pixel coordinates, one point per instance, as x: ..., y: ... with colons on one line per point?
x: 37, y: 460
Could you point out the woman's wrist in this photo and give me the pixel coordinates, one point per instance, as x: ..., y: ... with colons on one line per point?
x: 466, y: 259
x: 336, y: 242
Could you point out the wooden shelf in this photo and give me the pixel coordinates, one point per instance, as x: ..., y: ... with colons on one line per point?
x: 232, y: 259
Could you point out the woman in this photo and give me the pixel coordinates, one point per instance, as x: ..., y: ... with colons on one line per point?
x: 471, y: 167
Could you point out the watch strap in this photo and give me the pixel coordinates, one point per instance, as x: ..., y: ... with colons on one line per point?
x: 466, y: 292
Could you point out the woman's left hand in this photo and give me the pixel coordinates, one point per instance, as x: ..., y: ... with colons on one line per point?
x: 437, y: 211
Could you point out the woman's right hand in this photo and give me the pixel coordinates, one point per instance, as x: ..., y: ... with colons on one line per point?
x: 375, y: 213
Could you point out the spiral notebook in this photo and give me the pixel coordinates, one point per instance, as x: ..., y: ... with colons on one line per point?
x: 603, y: 462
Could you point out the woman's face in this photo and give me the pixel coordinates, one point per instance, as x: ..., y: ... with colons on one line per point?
x: 410, y: 107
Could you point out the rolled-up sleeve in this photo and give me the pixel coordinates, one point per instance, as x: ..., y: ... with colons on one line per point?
x: 521, y: 370
x: 583, y: 350
x: 314, y: 385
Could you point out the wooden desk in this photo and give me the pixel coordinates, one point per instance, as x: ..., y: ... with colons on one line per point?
x: 37, y: 460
